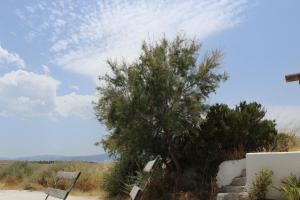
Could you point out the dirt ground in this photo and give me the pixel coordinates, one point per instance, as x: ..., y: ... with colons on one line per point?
x: 21, y: 194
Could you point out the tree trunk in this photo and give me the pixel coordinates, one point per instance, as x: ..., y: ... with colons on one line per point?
x: 178, y: 178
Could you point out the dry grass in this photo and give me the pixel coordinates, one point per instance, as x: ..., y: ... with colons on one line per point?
x: 39, y: 176
x: 296, y: 145
x: 235, y: 154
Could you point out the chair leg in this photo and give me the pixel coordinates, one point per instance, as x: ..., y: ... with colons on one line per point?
x: 47, y: 197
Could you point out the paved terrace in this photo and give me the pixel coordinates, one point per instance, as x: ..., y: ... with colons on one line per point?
x: 21, y: 194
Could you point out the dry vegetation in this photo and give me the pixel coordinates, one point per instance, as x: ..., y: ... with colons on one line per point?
x: 296, y: 145
x: 40, y: 175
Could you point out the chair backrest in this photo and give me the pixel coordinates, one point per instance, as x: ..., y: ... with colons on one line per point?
x: 68, y: 175
x: 63, y: 194
x: 150, y: 165
x: 135, y: 193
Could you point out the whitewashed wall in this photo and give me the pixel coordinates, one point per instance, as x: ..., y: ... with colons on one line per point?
x: 229, y: 170
x: 282, y: 164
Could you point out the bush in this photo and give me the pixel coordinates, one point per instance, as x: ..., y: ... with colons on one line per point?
x: 260, y: 185
x: 115, y: 180
x: 19, y: 170
x: 241, y: 127
x: 227, y: 133
x: 158, y: 187
x: 290, y: 188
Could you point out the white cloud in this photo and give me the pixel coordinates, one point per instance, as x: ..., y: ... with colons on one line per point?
x: 7, y: 58
x: 74, y: 87
x: 46, y: 69
x: 29, y: 94
x: 3, y: 114
x: 89, y: 62
x: 59, y: 46
x: 287, y: 117
x: 59, y: 23
x: 30, y: 9
x: 96, y: 30
x: 75, y: 105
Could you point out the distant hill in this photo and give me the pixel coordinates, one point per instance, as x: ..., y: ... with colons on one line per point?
x: 90, y: 158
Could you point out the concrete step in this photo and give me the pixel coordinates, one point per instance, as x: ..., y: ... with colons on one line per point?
x: 243, y: 174
x: 239, y: 181
x: 233, y: 189
x: 232, y: 196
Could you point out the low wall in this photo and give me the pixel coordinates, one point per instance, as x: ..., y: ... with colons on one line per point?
x: 282, y: 164
x: 229, y: 170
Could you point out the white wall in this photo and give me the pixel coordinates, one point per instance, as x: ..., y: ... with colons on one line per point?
x: 229, y: 170
x: 282, y: 164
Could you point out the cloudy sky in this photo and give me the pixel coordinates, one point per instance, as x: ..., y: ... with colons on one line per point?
x: 51, y: 53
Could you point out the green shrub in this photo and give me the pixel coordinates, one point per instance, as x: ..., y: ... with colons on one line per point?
x: 290, y: 188
x: 241, y: 127
x: 158, y: 186
x: 227, y: 133
x: 19, y: 170
x: 260, y: 185
x: 115, y: 180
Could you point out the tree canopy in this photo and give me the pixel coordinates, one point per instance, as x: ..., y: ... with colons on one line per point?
x: 152, y: 106
x: 157, y: 105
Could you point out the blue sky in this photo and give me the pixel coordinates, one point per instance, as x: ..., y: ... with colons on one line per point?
x: 51, y: 53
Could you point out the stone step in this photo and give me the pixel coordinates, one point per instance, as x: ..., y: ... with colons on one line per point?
x: 232, y: 196
x: 233, y: 189
x: 243, y: 174
x: 239, y: 181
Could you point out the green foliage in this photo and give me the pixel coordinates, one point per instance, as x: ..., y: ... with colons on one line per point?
x: 18, y: 170
x: 241, y: 127
x: 156, y: 184
x: 260, y: 185
x: 115, y: 180
x: 155, y: 105
x: 159, y: 186
x: 290, y: 188
x: 228, y: 133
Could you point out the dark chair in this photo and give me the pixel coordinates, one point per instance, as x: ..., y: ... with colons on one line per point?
x: 63, y: 194
x: 137, y: 192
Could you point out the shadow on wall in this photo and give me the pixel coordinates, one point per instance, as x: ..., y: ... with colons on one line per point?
x: 283, y: 164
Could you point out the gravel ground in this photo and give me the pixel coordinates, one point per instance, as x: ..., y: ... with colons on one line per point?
x: 27, y: 195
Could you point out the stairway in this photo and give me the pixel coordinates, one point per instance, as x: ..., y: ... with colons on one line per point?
x: 236, y: 190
